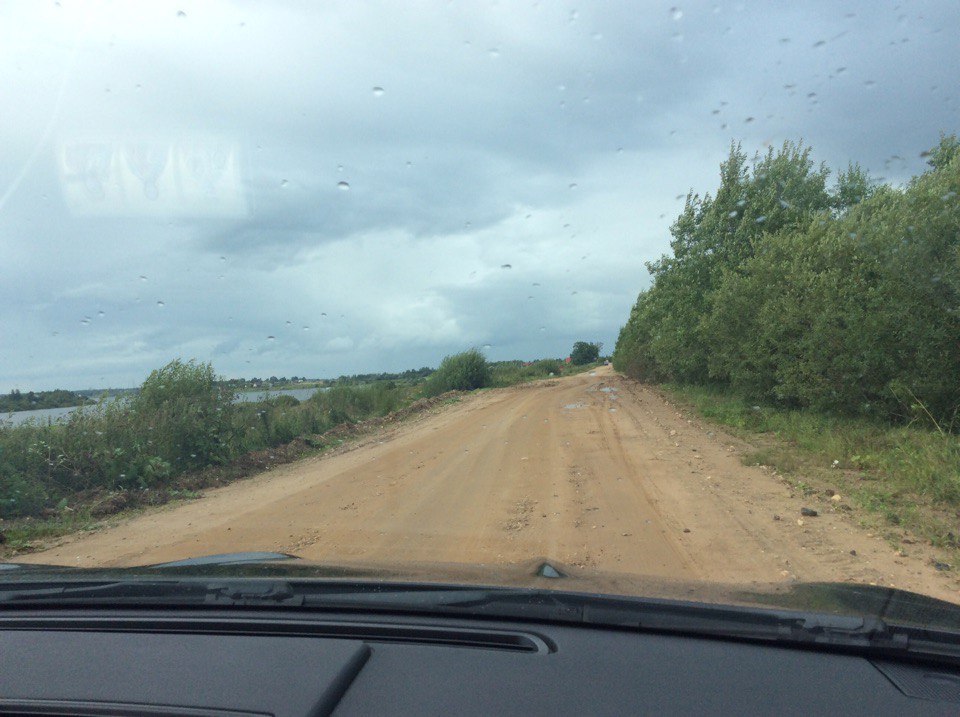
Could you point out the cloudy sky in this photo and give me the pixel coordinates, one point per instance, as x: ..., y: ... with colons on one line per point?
x: 301, y: 188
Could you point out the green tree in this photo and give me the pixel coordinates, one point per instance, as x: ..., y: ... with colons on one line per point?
x: 584, y: 353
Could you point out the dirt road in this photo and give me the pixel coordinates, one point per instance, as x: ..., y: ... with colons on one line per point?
x: 592, y: 470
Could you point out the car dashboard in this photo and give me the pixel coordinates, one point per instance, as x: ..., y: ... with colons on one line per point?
x: 283, y: 662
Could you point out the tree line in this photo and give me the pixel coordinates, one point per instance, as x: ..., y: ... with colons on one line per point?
x: 842, y: 297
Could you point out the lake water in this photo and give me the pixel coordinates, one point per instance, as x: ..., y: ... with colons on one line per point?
x: 42, y: 415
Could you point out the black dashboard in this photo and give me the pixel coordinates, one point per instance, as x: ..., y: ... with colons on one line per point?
x: 197, y: 662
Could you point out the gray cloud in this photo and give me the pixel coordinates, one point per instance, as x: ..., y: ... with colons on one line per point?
x: 553, y: 139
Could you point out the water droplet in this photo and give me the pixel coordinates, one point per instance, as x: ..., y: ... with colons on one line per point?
x: 85, y: 320
x: 487, y: 347
x: 785, y: 204
x: 543, y: 328
x: 676, y: 14
x: 288, y: 323
x: 343, y: 186
x: 574, y: 14
x: 870, y: 83
x: 306, y: 328
x: 284, y: 182
x: 339, y: 167
x: 101, y: 314
x: 597, y: 36
x: 732, y: 214
x: 143, y: 277
x: 378, y: 91
x: 181, y: 13
x: 493, y: 52
x: 761, y: 219
x: 160, y: 304
x: 573, y: 185
x: 223, y: 258
x: 748, y: 120
x: 506, y: 266
x: 271, y: 338
x: 840, y: 70
x: 819, y: 43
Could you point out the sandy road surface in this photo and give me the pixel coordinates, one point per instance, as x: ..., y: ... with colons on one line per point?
x: 592, y: 471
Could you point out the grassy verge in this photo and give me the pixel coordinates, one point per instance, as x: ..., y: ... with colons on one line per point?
x: 99, y: 507
x: 905, y: 480
x: 510, y: 373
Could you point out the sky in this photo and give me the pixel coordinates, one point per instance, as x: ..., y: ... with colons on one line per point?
x: 317, y: 189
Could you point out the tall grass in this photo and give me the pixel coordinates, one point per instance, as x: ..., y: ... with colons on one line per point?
x: 181, y: 420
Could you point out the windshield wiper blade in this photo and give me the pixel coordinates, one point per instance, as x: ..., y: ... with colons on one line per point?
x: 868, y: 634
x: 150, y: 592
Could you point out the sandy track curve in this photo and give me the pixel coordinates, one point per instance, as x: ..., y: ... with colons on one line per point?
x: 591, y: 470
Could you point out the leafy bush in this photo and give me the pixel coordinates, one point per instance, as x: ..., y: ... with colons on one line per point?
x: 460, y: 372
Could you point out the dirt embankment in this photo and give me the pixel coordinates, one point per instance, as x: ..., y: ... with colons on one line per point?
x: 591, y: 470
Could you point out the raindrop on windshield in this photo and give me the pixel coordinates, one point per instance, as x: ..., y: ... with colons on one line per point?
x: 870, y: 83
x: 506, y: 266
x: 493, y: 52
x: 101, y: 314
x: 378, y: 91
x: 761, y: 219
x: 143, y: 277
x: 85, y: 320
x: 160, y: 304
x: 271, y: 338
x: 343, y: 186
x: 573, y: 185
x: 181, y: 13
x: 676, y: 13
x: 284, y: 182
x: 306, y: 328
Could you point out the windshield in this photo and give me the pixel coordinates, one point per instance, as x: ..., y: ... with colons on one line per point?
x: 633, y: 294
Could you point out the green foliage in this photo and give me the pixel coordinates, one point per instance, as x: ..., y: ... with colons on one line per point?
x: 460, y: 372
x: 187, y: 412
x: 509, y: 373
x: 584, y: 353
x: 31, y: 400
x: 844, y: 301
x: 182, y: 419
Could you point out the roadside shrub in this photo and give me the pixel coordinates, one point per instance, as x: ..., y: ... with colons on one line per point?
x: 461, y: 372
x: 188, y: 412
